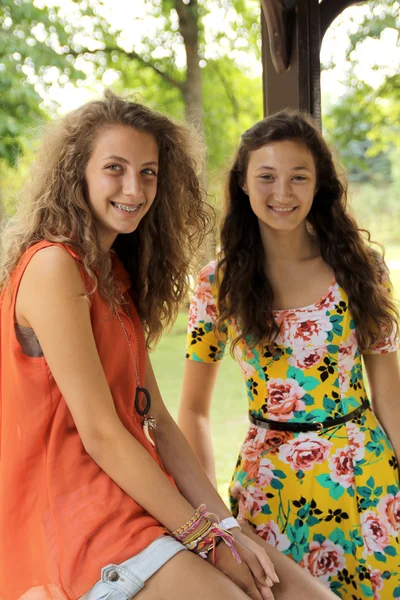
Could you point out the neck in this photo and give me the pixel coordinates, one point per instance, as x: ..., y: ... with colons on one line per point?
x: 286, y: 247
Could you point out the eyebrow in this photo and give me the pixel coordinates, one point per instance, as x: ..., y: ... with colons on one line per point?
x: 273, y: 168
x: 120, y: 158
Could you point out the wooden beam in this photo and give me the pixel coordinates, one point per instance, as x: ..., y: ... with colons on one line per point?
x: 299, y: 85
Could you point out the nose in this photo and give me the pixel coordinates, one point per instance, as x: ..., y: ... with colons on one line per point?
x: 132, y: 185
x: 282, y: 191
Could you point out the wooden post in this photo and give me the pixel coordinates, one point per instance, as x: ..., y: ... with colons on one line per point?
x: 292, y: 31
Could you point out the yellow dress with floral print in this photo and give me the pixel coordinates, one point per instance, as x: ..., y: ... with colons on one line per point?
x: 330, y: 499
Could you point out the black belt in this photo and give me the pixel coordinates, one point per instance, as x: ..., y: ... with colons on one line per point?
x: 313, y: 426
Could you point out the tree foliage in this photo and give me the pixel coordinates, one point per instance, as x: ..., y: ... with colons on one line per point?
x: 34, y: 52
x: 365, y: 123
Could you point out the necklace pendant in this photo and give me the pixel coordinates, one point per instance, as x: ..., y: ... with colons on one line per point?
x: 149, y: 425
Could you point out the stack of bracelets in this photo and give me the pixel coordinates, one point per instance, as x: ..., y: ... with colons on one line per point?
x: 205, y: 539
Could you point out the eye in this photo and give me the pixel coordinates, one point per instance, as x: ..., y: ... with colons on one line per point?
x: 149, y: 171
x: 267, y: 177
x: 299, y: 178
x: 114, y: 168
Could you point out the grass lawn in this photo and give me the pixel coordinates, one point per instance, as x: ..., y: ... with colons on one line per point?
x: 229, y: 409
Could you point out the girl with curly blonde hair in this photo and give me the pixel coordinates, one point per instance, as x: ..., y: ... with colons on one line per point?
x: 98, y: 487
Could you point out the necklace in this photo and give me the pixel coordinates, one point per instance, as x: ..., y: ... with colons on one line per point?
x: 149, y: 422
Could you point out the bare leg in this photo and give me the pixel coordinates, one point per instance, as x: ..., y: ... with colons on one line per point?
x: 189, y: 577
x: 295, y: 583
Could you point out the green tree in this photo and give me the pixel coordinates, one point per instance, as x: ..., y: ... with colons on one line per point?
x: 365, y: 124
x: 34, y: 51
x: 182, y: 65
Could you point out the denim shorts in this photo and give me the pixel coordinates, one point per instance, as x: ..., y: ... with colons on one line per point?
x: 124, y: 581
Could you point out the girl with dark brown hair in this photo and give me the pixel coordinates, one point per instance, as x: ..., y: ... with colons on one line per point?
x: 98, y: 486
x: 303, y: 300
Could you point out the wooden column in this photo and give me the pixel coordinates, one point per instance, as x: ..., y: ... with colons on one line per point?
x: 292, y: 31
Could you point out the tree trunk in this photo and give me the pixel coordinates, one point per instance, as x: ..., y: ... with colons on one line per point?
x: 189, y: 28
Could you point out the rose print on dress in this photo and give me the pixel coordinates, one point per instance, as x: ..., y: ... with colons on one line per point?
x: 265, y: 473
x: 305, y: 451
x: 377, y: 582
x: 306, y: 357
x: 356, y: 441
x: 271, y: 533
x: 374, y: 531
x: 389, y: 511
x: 341, y: 466
x: 323, y: 559
x: 284, y: 397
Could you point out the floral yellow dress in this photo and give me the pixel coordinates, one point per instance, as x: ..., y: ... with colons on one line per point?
x: 329, y: 499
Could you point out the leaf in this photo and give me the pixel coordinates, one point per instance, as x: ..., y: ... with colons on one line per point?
x: 297, y: 552
x: 329, y: 404
x: 366, y: 590
x: 310, y: 383
x: 337, y: 536
x: 364, y: 491
x: 276, y: 484
x: 266, y: 510
x: 379, y: 557
x: 390, y: 550
x: 335, y: 489
x: 318, y: 537
x: 279, y: 474
x: 297, y: 374
x: 332, y: 349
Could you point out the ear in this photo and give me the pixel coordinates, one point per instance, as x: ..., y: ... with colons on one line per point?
x: 244, y: 188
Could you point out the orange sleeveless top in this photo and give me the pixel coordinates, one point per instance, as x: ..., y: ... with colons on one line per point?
x: 61, y: 517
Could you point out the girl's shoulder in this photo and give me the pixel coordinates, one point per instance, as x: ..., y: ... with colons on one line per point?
x: 208, y: 272
x: 380, y: 267
x: 206, y: 277
x: 205, y: 288
x: 56, y: 251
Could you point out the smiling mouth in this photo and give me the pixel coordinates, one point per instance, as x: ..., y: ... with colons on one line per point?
x: 127, y: 208
x: 278, y: 209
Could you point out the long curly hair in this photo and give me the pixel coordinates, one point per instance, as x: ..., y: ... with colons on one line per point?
x: 246, y: 294
x: 158, y: 255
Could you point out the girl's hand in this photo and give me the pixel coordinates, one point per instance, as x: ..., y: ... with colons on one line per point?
x: 249, y: 575
x: 268, y: 570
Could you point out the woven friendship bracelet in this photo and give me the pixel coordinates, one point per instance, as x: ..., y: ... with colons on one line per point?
x: 190, y: 525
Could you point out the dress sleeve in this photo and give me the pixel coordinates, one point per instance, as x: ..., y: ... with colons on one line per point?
x: 203, y: 343
x: 391, y: 342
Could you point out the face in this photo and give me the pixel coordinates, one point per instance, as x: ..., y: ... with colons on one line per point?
x: 121, y: 178
x: 281, y: 184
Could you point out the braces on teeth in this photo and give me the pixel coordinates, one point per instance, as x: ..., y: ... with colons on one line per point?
x: 126, y: 209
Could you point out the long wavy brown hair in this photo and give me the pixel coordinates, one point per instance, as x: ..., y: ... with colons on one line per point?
x: 158, y: 255
x: 246, y: 294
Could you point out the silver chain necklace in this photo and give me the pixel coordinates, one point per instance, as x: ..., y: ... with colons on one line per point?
x: 149, y: 422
